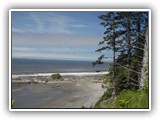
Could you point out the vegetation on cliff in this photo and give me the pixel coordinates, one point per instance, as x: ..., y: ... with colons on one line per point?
x: 126, y: 36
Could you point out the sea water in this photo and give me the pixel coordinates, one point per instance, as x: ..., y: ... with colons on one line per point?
x: 36, y: 66
x: 46, y: 95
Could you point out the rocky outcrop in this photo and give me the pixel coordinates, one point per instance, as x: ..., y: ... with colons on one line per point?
x: 21, y: 81
x: 49, y: 80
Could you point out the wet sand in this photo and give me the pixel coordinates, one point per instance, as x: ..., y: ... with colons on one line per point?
x: 71, y: 92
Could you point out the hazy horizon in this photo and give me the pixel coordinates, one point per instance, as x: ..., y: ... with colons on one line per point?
x: 56, y: 35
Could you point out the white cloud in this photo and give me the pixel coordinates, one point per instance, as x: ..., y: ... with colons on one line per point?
x: 39, y: 22
x: 52, y: 36
x: 51, y: 56
x: 55, y: 40
x: 78, y: 26
x: 23, y: 49
x: 51, y: 23
x: 17, y: 30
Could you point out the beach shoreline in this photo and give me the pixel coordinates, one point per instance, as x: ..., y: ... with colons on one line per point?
x: 62, y: 74
x: 46, y: 77
x: 72, y: 91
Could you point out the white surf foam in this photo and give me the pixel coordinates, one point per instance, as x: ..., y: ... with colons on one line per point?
x: 63, y: 74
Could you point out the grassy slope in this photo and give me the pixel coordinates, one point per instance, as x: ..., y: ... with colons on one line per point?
x: 126, y: 99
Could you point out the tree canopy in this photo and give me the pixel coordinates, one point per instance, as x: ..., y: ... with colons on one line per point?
x: 125, y: 34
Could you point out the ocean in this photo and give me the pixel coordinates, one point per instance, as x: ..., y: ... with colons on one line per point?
x: 33, y: 66
x: 49, y: 95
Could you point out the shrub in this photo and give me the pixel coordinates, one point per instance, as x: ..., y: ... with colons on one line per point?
x: 125, y: 99
x: 132, y: 99
x: 13, y: 101
x: 107, y: 94
x: 106, y: 79
x: 56, y: 76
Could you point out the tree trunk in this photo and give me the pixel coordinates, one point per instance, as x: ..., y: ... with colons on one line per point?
x: 129, y: 51
x: 114, y: 91
x: 114, y: 66
x: 144, y: 69
x: 139, y: 52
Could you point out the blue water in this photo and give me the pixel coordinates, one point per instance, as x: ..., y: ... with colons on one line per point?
x: 30, y: 66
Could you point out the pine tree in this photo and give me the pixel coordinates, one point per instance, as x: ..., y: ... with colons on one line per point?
x: 141, y: 23
x: 111, y: 40
x: 125, y: 36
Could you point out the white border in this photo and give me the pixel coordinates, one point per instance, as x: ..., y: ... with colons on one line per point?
x: 150, y: 56
x: 10, y: 57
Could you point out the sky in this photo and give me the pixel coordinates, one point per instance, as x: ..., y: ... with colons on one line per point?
x: 56, y: 35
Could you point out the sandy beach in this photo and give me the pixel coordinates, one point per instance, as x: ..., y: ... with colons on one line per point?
x: 68, y: 92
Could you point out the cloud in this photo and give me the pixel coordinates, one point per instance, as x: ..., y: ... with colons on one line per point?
x: 27, y: 47
x: 50, y: 22
x: 55, y: 40
x: 54, y: 56
x: 53, y: 46
x: 78, y: 26
x: 54, y: 35
x: 17, y: 30
x: 23, y: 49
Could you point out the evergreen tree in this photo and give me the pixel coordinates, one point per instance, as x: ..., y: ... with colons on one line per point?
x: 125, y: 36
x: 111, y: 40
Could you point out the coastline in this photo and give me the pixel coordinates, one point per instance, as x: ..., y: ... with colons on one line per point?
x: 62, y: 74
x: 45, y: 77
x: 73, y: 91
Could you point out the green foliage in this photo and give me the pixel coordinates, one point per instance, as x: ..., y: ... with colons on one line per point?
x: 97, y: 62
x: 121, y: 76
x: 132, y: 99
x: 13, y: 101
x: 125, y: 36
x: 145, y: 87
x: 56, y: 76
x: 126, y: 99
x: 104, y: 100
x: 107, y: 79
x: 123, y: 103
x: 111, y: 23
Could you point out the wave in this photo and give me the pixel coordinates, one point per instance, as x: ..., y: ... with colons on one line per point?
x: 62, y: 74
x: 15, y: 90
